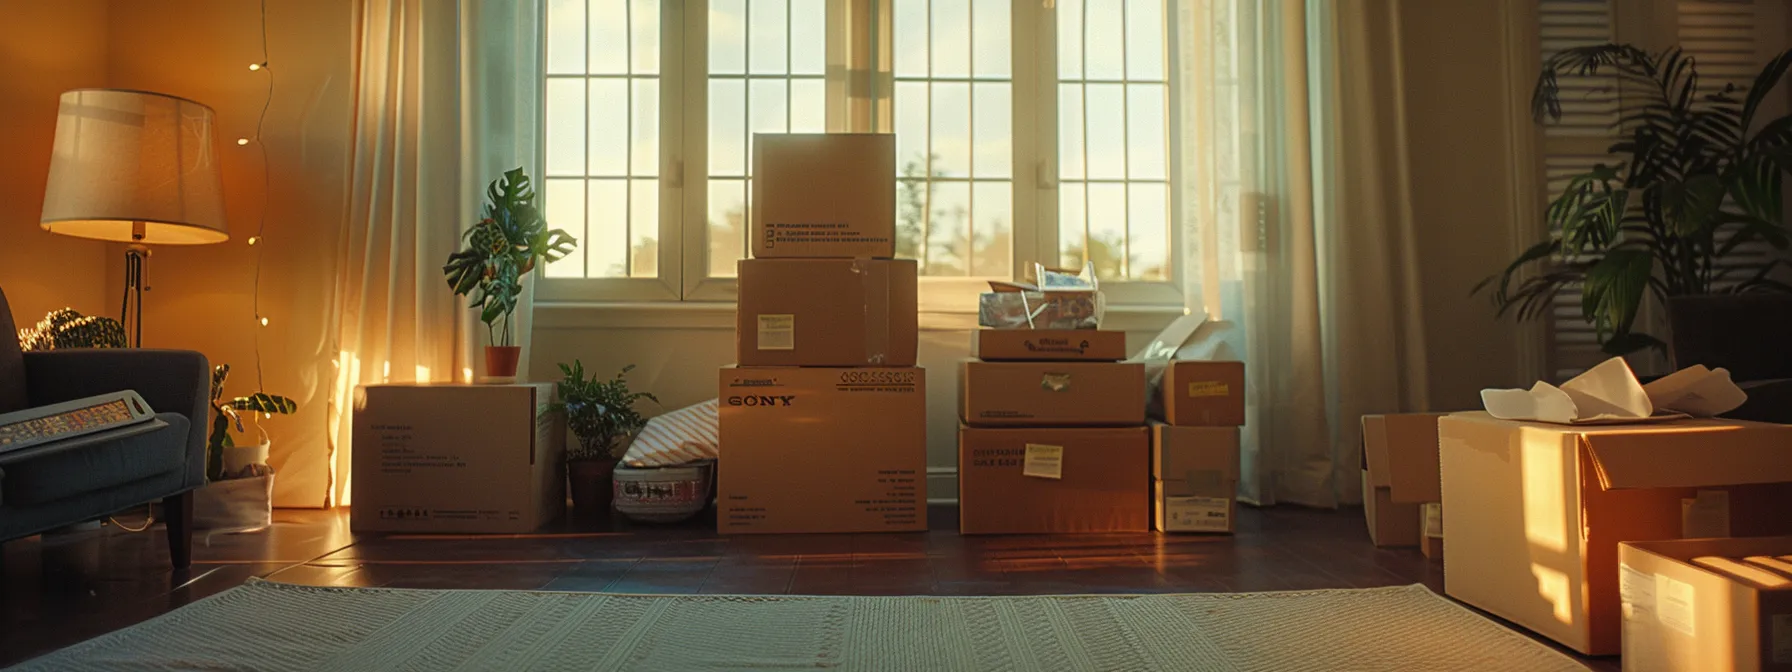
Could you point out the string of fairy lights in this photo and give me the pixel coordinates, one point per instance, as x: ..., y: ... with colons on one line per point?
x: 256, y: 241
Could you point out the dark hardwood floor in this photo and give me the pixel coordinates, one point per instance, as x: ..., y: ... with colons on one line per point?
x: 64, y: 588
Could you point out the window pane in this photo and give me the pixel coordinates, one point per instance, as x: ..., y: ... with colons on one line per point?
x: 563, y: 206
x: 808, y: 106
x: 727, y: 36
x: 770, y: 110
x: 645, y: 17
x: 1106, y: 126
x: 645, y: 150
x: 608, y: 151
x: 952, y: 128
x: 566, y: 126
x: 1145, y: 144
x: 769, y: 37
x: 566, y: 37
x: 808, y: 37
x: 993, y: 153
x: 992, y: 210
x: 948, y: 229
x: 1107, y: 49
x: 727, y: 225
x: 911, y: 215
x: 606, y: 238
x: 727, y: 127
x: 1107, y: 230
x: 1148, y: 231
x: 911, y: 129
x: 1070, y: 39
x: 644, y: 227
x: 1144, y: 39
x: 1070, y: 131
x: 910, y: 37
x: 1071, y: 222
x: 609, y: 37
x: 991, y: 50
x: 950, y: 39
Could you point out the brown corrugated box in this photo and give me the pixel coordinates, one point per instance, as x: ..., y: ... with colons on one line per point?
x: 1062, y: 394
x: 1202, y: 393
x: 822, y: 450
x: 1431, y: 530
x: 1536, y: 511
x: 1103, y: 484
x: 1707, y: 604
x: 1194, y: 474
x: 826, y: 312
x: 1400, y: 475
x: 457, y: 458
x: 824, y: 195
x: 1040, y: 345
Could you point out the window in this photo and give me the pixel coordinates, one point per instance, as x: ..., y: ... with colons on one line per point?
x: 1023, y: 134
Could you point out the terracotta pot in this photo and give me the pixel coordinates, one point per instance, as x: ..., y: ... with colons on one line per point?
x: 589, y: 481
x: 500, y: 360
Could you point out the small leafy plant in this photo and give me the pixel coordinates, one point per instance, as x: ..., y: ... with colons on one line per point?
x: 230, y: 413
x: 599, y: 412
x: 509, y: 242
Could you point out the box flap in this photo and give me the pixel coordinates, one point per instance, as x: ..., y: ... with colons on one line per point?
x: 1375, y: 450
x: 1411, y: 453
x: 1690, y: 453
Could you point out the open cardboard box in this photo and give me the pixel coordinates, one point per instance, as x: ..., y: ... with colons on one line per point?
x: 1400, y: 476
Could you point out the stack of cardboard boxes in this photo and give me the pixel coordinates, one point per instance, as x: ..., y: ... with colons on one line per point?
x: 823, y: 422
x: 1053, y: 436
x: 1197, y: 409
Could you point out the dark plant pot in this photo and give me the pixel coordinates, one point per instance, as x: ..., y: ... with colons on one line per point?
x: 591, y: 486
x: 500, y: 360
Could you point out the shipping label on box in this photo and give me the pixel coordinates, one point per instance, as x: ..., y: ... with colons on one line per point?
x: 1197, y: 514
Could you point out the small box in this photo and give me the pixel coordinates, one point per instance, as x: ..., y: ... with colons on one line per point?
x: 1202, y: 394
x: 1051, y: 394
x: 822, y: 450
x: 1536, y: 511
x: 824, y: 195
x: 1400, y: 475
x: 1046, y: 345
x: 826, y: 312
x: 1194, y: 474
x: 1082, y: 480
x: 1707, y: 604
x: 457, y: 458
x: 1431, y: 530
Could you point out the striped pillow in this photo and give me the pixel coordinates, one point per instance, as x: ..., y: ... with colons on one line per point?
x: 679, y: 437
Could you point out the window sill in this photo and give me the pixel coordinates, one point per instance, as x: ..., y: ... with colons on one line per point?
x: 720, y: 315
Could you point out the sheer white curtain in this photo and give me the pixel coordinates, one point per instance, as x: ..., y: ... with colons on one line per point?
x: 445, y: 101
x: 1296, y: 229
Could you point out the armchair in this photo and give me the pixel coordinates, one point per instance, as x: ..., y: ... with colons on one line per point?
x: 56, y: 484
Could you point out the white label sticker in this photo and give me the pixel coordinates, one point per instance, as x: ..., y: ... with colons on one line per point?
x: 1197, y: 514
x: 1043, y: 461
x: 1782, y: 638
x: 1674, y: 604
x: 1707, y: 516
x: 777, y: 332
x: 1637, y: 590
x: 1434, y: 519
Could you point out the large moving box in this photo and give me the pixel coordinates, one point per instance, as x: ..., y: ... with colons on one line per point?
x: 1400, y: 475
x: 1037, y: 480
x: 1536, y: 511
x: 826, y: 312
x: 1083, y: 394
x: 1707, y: 604
x: 822, y: 450
x: 824, y: 195
x: 1201, y: 393
x: 457, y: 458
x: 1194, y: 473
x: 1039, y: 345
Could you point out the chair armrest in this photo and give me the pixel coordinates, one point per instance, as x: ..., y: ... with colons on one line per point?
x: 171, y: 381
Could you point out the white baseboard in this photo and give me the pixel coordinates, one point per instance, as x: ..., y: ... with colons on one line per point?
x: 942, y: 485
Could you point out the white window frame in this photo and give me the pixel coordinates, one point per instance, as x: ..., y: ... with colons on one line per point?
x: 683, y: 282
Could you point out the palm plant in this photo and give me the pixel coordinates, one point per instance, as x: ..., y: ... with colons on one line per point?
x: 1699, y: 177
x: 507, y: 243
x: 600, y: 412
x: 229, y: 412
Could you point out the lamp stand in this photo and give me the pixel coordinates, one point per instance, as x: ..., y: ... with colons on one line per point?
x: 135, y: 254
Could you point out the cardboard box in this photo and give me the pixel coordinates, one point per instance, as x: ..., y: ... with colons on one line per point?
x: 824, y: 195
x: 1400, y: 475
x: 1088, y: 480
x: 1202, y: 394
x: 457, y: 458
x: 1044, y: 345
x: 1707, y: 604
x: 1431, y: 530
x: 1194, y: 472
x: 822, y: 450
x: 1536, y: 511
x: 826, y: 312
x: 1057, y: 394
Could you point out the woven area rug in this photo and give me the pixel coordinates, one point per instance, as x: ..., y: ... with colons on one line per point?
x: 274, y: 626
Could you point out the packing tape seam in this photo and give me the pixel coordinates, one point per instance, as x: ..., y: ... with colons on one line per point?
x: 877, y: 313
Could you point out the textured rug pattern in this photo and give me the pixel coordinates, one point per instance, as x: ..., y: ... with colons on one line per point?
x: 274, y: 626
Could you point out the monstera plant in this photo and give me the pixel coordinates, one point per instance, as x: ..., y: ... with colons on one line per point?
x: 510, y: 240
x: 230, y: 412
x: 1696, y: 178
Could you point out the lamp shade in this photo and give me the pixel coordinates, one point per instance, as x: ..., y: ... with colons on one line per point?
x: 137, y: 167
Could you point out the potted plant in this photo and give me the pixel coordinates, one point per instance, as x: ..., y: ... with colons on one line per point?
x: 510, y: 240
x: 601, y: 413
x: 238, y: 494
x: 1698, y: 177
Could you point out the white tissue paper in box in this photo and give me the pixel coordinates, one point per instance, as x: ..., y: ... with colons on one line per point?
x: 1609, y: 393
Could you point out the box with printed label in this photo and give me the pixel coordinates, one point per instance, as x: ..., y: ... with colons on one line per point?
x: 1194, y: 474
x: 1707, y: 604
x: 457, y: 458
x: 822, y: 450
x: 1039, y: 480
x: 826, y: 312
x: 1536, y: 511
x: 1201, y: 394
x: 824, y: 195
x: 1399, y: 475
x: 1051, y: 394
x: 1043, y: 345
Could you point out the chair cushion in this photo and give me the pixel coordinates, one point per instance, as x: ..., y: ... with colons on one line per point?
x: 12, y: 363
x: 45, y: 476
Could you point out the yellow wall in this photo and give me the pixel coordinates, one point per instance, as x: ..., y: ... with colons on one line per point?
x: 47, y: 48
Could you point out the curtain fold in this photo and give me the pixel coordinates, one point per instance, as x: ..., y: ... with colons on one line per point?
x: 444, y: 103
x: 1300, y: 240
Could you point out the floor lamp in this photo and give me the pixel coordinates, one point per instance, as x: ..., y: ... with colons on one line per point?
x: 139, y: 168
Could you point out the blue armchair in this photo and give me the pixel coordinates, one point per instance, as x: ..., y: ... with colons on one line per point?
x: 48, y: 486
